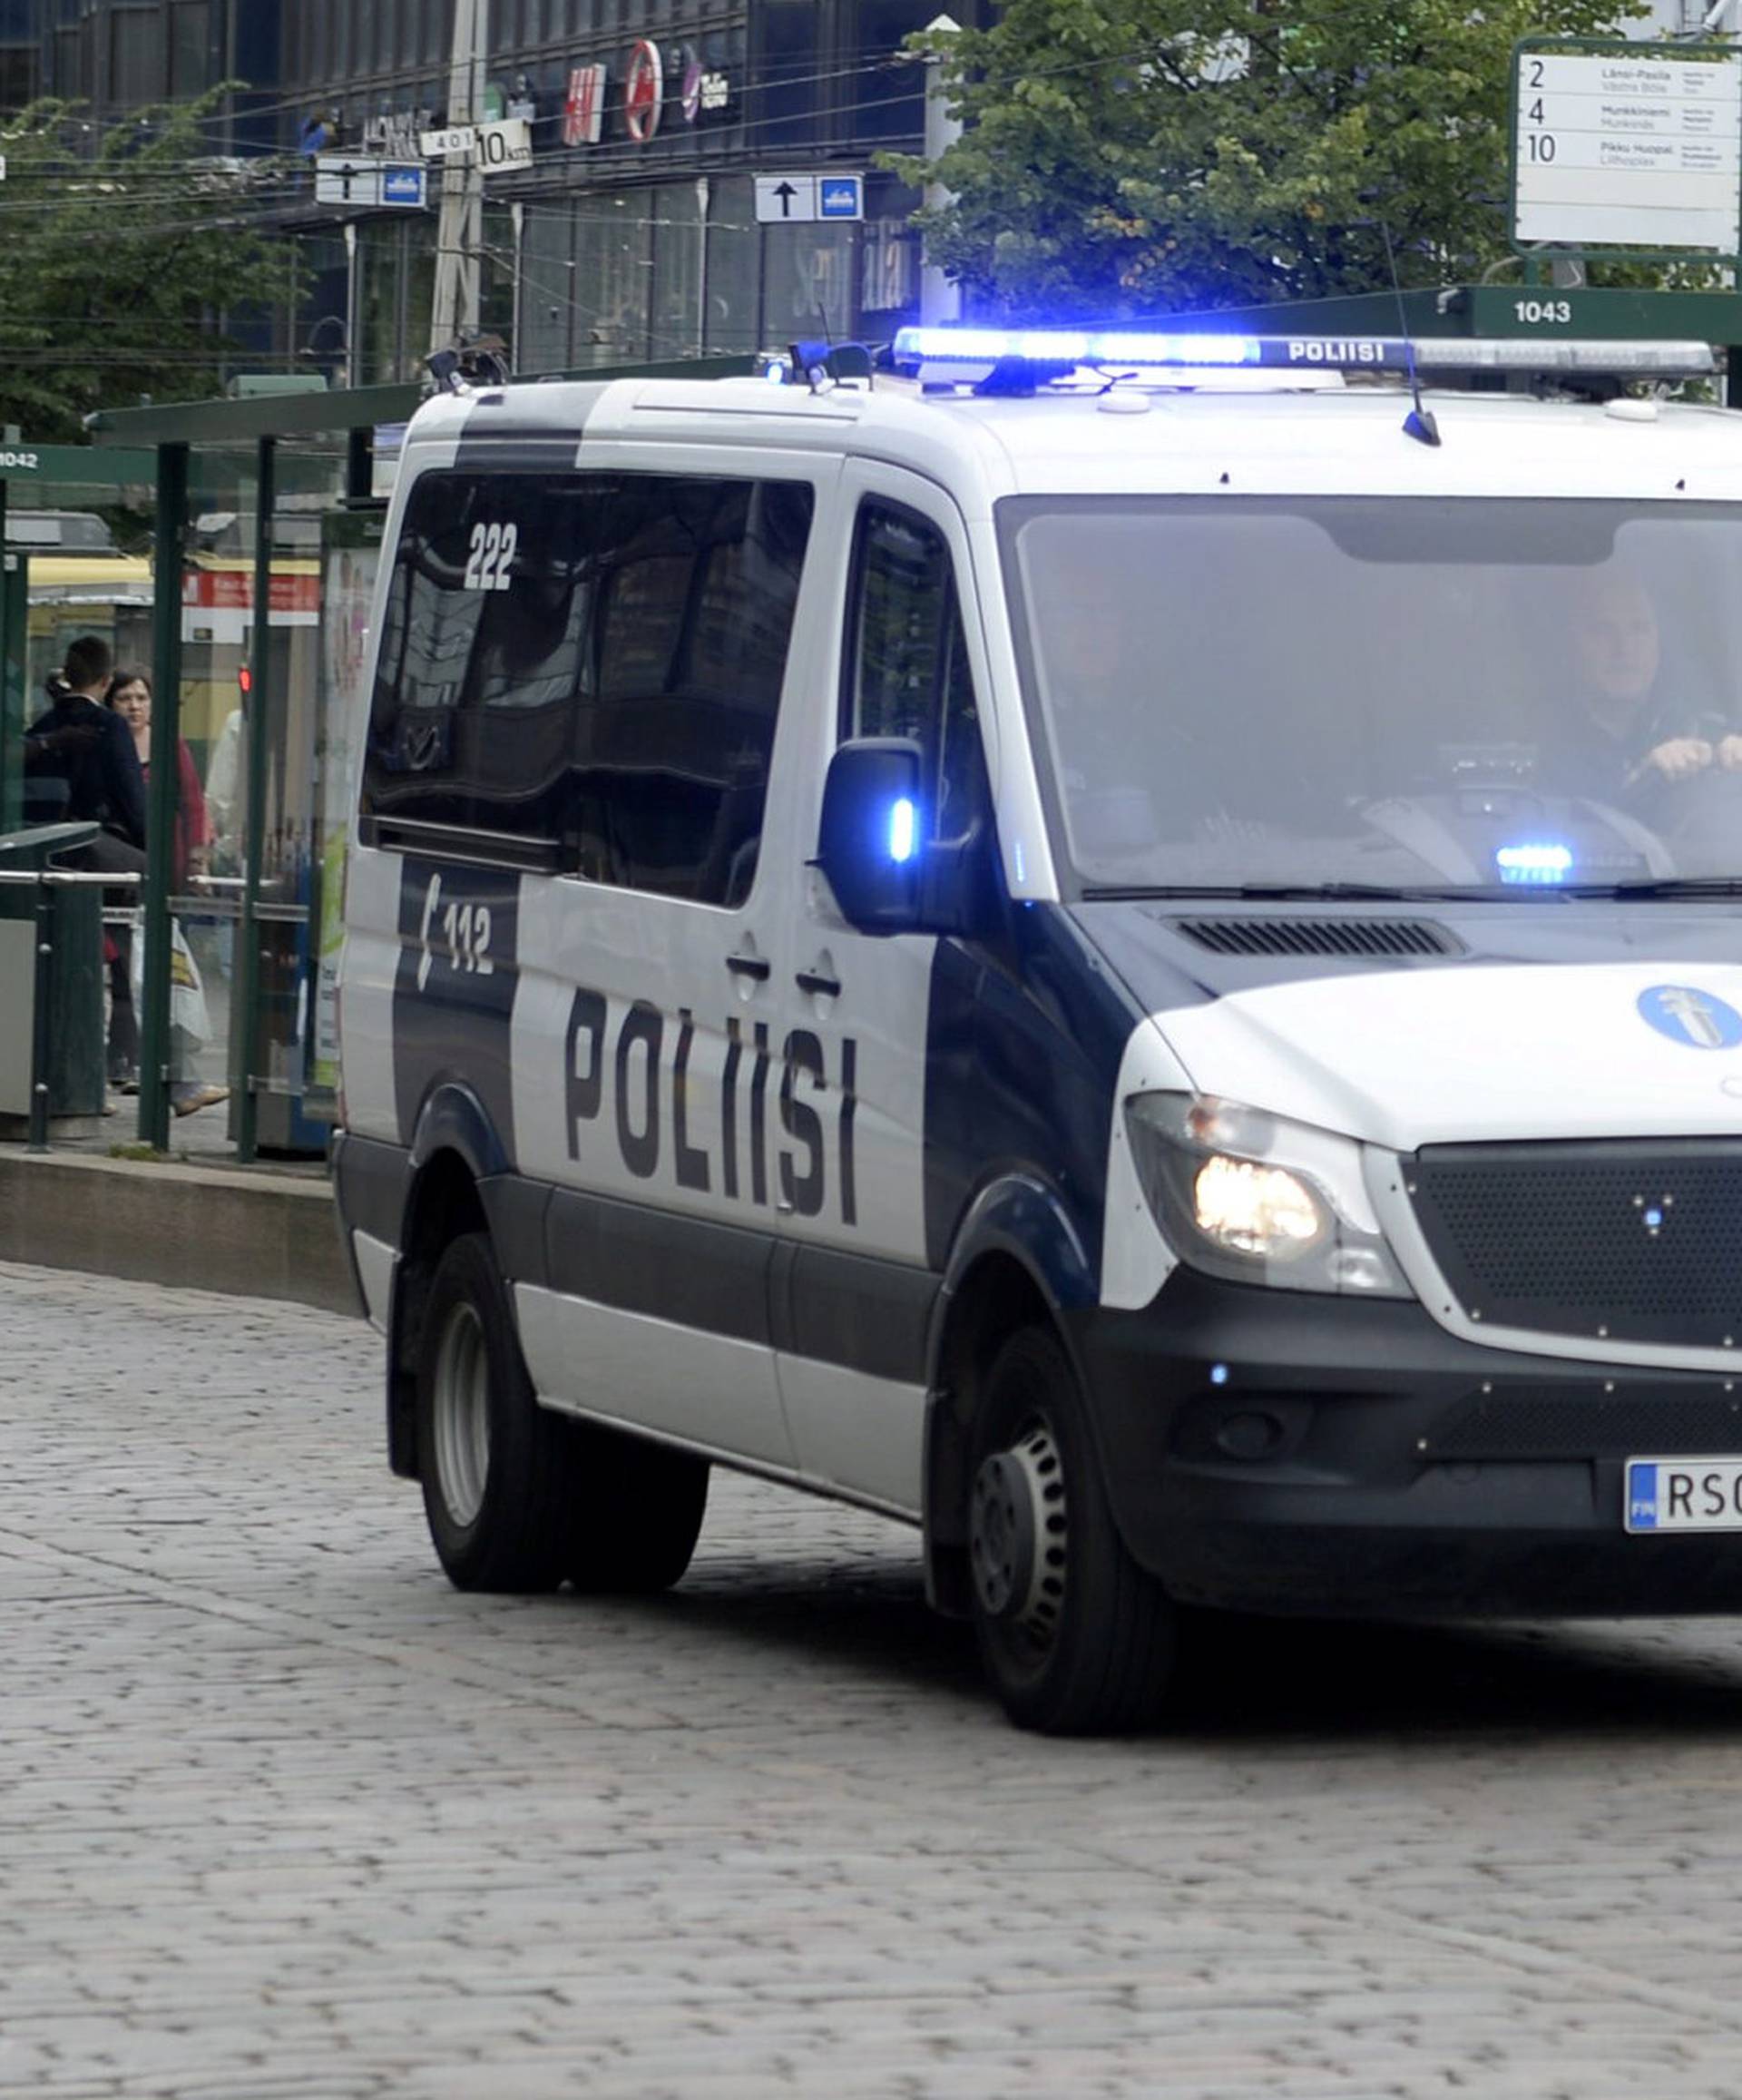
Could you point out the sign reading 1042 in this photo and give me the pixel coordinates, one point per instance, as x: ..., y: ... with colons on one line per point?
x: 1638, y: 146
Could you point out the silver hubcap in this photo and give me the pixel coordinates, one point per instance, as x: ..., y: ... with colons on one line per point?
x: 462, y: 1415
x: 1017, y: 1533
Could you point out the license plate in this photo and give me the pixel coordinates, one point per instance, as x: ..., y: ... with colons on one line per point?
x: 1683, y: 1495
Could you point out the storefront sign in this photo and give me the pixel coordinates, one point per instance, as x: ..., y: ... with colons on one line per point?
x: 393, y: 137
x: 643, y: 91
x: 688, y: 70
x: 583, y: 113
x: 716, y: 94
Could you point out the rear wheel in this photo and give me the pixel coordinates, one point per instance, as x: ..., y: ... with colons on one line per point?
x: 519, y: 1498
x: 1075, y: 1638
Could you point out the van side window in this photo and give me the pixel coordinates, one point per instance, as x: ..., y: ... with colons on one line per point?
x: 908, y: 671
x: 592, y: 663
x: 481, y: 654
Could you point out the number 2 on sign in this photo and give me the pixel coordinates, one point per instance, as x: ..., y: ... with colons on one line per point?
x: 492, y: 556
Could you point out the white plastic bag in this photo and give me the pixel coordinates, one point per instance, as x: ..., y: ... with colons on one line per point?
x: 188, y: 1013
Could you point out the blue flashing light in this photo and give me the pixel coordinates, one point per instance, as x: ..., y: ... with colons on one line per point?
x: 1533, y: 863
x: 958, y: 346
x: 903, y: 830
x: 1218, y: 1374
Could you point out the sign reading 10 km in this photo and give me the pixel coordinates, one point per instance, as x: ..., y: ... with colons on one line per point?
x: 1635, y: 146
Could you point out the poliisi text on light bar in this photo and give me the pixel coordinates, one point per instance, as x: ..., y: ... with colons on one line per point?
x: 965, y: 350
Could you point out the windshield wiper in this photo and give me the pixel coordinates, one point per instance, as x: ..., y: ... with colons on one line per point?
x: 1656, y: 886
x: 1281, y: 892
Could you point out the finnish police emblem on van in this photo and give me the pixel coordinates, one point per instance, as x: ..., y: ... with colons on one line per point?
x: 1694, y: 1018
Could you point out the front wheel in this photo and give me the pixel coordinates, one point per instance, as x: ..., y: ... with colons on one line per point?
x: 1076, y: 1638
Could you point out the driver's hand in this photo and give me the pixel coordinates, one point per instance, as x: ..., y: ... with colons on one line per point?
x: 1678, y: 758
x: 1730, y: 754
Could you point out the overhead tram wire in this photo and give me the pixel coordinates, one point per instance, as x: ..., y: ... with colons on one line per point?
x: 633, y: 155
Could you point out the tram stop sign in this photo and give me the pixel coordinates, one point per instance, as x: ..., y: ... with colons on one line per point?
x: 1626, y: 145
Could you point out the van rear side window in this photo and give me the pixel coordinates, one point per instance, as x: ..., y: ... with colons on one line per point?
x: 583, y: 672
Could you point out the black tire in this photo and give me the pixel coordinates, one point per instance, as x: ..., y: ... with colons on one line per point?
x: 520, y: 1499
x: 496, y: 1468
x: 1076, y: 1638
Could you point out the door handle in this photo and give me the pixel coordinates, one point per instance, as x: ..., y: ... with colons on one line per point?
x: 750, y: 965
x: 818, y: 986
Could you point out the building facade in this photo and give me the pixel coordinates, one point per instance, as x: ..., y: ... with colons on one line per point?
x: 634, y: 234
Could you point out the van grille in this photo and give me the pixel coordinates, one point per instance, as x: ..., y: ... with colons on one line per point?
x: 1320, y: 936
x: 1622, y: 1242
x: 1585, y: 1422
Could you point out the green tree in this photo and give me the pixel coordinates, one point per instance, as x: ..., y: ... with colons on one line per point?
x: 1134, y: 156
x: 120, y: 266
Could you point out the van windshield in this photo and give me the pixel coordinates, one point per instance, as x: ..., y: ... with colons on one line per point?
x: 1401, y: 692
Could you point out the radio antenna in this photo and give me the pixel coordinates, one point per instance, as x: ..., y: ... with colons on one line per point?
x: 1419, y: 423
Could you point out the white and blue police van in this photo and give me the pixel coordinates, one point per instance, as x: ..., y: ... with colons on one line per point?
x: 1127, y: 950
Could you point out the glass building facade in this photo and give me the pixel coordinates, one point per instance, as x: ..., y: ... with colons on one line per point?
x: 635, y: 233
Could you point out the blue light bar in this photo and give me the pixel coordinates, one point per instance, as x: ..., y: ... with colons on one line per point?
x: 1070, y: 346
x: 1533, y: 863
x: 903, y: 829
x: 972, y: 352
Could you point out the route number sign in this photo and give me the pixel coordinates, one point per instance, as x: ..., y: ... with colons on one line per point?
x: 1629, y: 147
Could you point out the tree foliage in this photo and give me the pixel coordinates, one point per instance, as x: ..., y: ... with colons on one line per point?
x: 123, y: 257
x: 1130, y: 156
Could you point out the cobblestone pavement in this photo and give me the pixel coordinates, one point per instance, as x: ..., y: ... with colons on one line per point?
x: 284, y: 1817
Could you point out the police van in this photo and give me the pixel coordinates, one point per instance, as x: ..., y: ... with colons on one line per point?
x: 1126, y: 949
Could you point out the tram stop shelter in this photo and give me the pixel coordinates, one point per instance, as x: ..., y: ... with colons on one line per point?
x: 264, y: 510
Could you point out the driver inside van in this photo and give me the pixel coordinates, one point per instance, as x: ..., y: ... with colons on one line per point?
x: 1620, y: 729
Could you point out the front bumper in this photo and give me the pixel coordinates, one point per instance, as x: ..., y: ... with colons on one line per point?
x: 1280, y: 1452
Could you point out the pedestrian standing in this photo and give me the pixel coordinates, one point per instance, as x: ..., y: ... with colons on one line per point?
x: 130, y: 697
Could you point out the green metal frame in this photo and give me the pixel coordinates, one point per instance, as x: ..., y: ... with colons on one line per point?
x: 160, y: 823
x: 247, y: 936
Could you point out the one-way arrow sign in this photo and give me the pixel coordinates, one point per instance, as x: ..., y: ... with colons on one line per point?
x: 785, y: 199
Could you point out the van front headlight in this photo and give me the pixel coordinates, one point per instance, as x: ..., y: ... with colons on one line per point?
x: 1245, y: 1194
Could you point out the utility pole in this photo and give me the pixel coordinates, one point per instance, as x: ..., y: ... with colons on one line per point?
x: 461, y: 237
x: 939, y: 298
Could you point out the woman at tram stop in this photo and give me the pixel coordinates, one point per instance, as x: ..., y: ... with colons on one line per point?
x: 130, y: 695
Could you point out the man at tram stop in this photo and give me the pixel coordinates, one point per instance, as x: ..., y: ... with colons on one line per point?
x: 80, y: 763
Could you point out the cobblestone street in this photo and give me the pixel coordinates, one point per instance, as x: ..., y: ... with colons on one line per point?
x: 284, y: 1815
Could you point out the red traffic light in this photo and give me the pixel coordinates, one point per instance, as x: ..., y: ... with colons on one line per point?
x: 245, y: 680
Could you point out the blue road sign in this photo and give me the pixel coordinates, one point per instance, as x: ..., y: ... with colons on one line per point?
x: 840, y: 197
x: 402, y: 185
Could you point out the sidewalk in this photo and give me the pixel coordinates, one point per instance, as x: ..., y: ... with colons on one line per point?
x: 199, y: 1218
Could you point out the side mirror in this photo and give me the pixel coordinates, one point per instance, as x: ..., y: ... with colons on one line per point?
x: 869, y: 843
